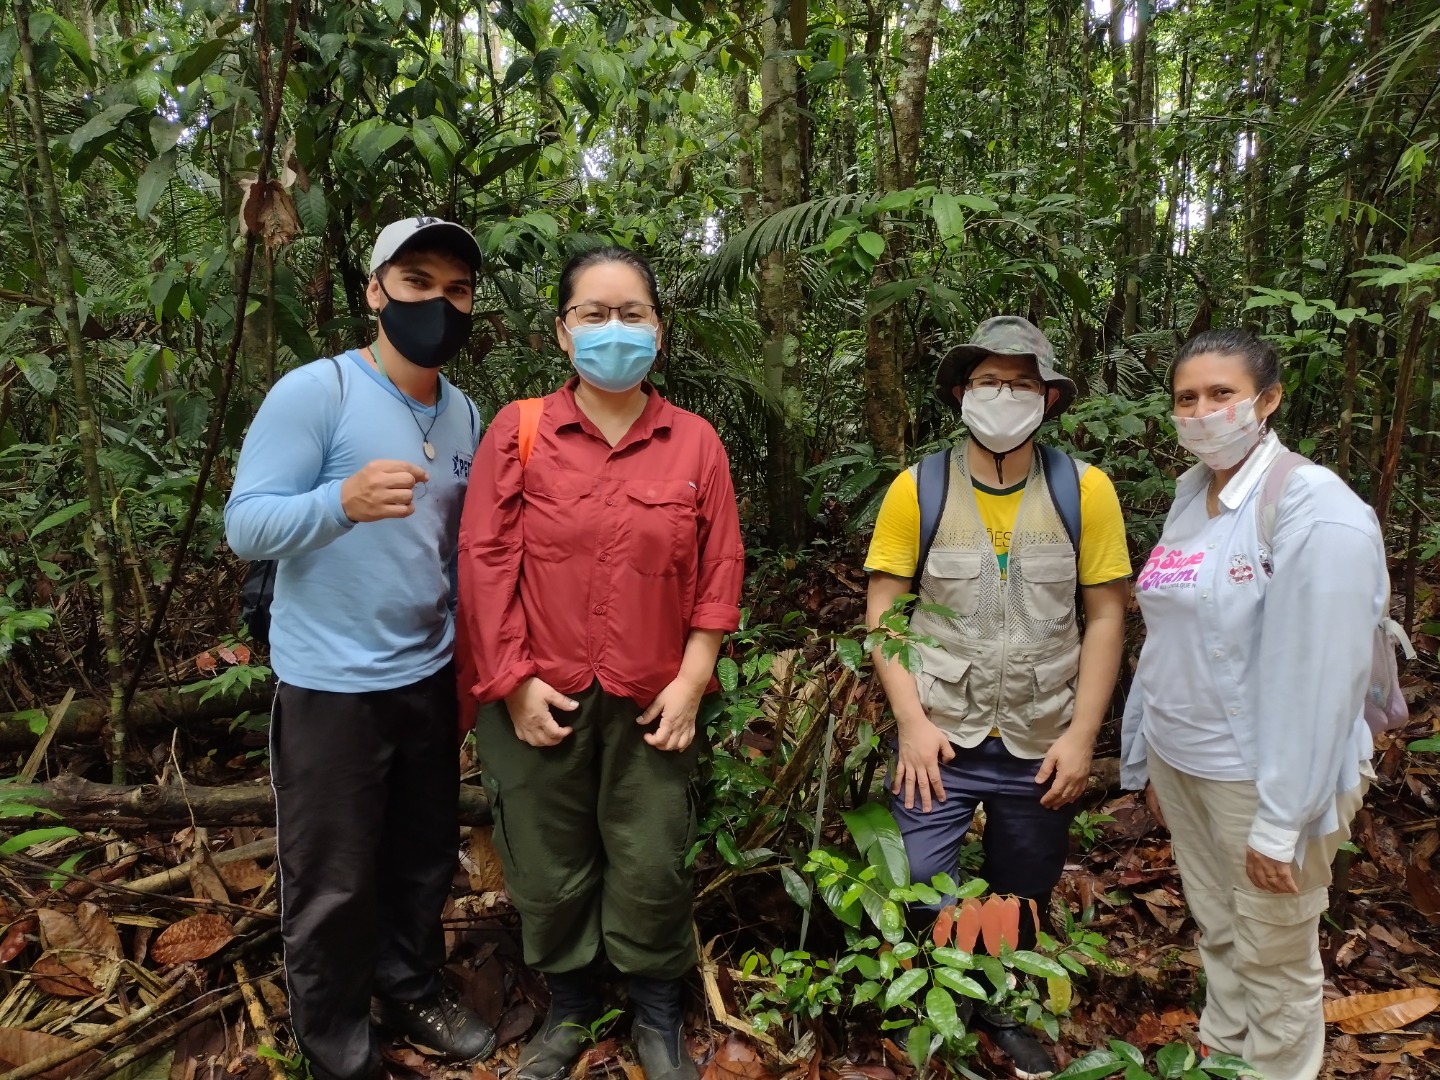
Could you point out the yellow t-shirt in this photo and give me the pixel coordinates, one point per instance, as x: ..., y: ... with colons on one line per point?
x: 1104, y: 557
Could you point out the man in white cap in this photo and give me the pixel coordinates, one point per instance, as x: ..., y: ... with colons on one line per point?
x: 351, y: 478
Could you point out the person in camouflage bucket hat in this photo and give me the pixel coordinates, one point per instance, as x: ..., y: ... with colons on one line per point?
x: 1006, y: 542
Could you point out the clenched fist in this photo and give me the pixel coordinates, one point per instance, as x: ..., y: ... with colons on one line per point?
x: 382, y: 489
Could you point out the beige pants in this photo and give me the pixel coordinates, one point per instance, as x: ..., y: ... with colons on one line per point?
x: 1261, y: 950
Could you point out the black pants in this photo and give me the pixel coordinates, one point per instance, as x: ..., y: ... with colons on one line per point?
x: 366, y: 804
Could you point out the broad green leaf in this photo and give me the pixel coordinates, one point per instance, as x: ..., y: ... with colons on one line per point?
x: 1129, y: 1053
x: 1093, y: 1066
x: 850, y: 652
x: 961, y: 984
x: 878, y: 838
x: 949, y: 218
x: 1061, y: 992
x: 906, y: 985
x: 198, y: 60
x: 940, y: 1011
x: 955, y: 958
x: 59, y: 517
x: 872, y: 243
x: 978, y: 203
x: 313, y: 209
x: 728, y: 673
x: 153, y: 183
x: 795, y: 887
x: 100, y: 126
x: 891, y: 919
x: 1032, y: 963
x: 1431, y: 744
x: 1172, y: 1061
x: 866, y: 991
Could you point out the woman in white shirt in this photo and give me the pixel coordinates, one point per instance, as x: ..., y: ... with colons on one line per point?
x: 1246, y: 710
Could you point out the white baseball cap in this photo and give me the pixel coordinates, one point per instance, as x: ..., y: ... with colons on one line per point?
x: 437, y: 232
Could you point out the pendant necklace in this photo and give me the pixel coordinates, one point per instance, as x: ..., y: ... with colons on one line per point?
x: 425, y: 443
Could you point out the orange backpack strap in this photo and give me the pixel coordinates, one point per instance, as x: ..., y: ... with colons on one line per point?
x: 530, y: 411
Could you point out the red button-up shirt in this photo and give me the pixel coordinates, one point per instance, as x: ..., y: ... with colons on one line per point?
x: 591, y: 561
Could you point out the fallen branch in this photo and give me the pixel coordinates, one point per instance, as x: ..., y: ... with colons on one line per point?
x: 155, y: 708
x: 110, y: 1066
x: 78, y: 801
x: 126, y: 1024
x: 258, y: 1020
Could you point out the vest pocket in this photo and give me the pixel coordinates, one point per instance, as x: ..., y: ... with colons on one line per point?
x: 1049, y: 579
x: 944, y: 687
x: 1055, y: 688
x: 955, y: 580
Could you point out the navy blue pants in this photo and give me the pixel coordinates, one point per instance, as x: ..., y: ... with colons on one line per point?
x: 1025, y: 843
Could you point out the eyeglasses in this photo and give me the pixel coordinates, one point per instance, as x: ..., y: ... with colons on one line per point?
x: 988, y: 387
x: 635, y: 314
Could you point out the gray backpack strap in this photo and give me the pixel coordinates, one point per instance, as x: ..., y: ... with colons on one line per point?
x: 932, y: 485
x: 1062, y: 475
x: 1267, y: 510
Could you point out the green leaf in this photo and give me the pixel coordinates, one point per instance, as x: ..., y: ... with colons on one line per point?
x: 940, y: 1011
x: 949, y: 218
x: 198, y: 60
x: 59, y: 517
x: 906, y: 985
x: 1093, y: 1066
x: 878, y: 838
x: 1431, y: 744
x: 165, y: 134
x: 153, y: 183
x: 955, y: 958
x: 872, y: 243
x: 1129, y: 1053
x: 866, y: 991
x: 728, y: 673
x: 30, y: 837
x: 1174, y: 1060
x: 851, y: 654
x: 795, y: 887
x: 891, y: 920
x: 978, y: 203
x: 961, y: 984
x: 100, y: 126
x: 313, y: 209
x: 1032, y: 963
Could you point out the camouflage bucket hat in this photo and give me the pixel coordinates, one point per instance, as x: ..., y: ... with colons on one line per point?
x: 1004, y: 335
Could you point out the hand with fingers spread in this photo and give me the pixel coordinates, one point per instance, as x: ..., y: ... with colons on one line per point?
x: 380, y: 490
x: 1068, y: 763
x: 676, y: 707
x: 923, y: 747
x: 530, y: 704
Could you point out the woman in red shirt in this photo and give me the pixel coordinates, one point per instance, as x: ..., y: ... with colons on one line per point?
x: 596, y: 580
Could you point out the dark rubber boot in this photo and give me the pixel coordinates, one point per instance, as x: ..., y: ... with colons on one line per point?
x: 659, y: 1028
x: 554, y: 1049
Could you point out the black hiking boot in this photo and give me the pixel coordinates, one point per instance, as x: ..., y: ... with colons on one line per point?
x: 1028, y: 1055
x: 554, y: 1049
x: 438, y: 1025
x: 659, y: 1030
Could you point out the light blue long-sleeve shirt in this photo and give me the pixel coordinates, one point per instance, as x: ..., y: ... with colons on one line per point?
x: 1291, y: 652
x: 357, y: 607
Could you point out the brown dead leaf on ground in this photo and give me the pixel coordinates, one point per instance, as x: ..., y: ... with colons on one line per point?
x: 19, y: 1048
x: 53, y: 976
x: 1424, y: 889
x: 243, y: 876
x: 736, y: 1059
x: 16, y: 938
x: 1413, y: 1048
x: 1366, y: 1014
x: 485, y: 871
x: 194, y: 938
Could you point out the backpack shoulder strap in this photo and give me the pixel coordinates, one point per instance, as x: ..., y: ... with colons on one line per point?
x: 1062, y: 474
x: 1268, y: 508
x: 530, y: 412
x: 932, y: 486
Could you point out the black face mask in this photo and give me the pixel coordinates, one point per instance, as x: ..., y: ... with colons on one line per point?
x: 425, y: 332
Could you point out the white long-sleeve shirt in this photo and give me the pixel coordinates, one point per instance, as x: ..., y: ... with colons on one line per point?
x: 1289, y: 655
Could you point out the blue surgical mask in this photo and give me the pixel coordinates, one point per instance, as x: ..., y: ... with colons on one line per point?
x: 614, y: 357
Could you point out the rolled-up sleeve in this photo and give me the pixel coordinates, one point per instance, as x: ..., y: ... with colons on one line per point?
x: 722, y: 553
x: 1316, y: 641
x: 492, y: 652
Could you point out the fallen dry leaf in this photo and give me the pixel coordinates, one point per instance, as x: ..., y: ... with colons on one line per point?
x: 54, y: 976
x: 243, y: 876
x: 1413, y: 1048
x: 1366, y: 1014
x: 1424, y: 889
x: 486, y: 874
x: 19, y: 1047
x: 16, y: 939
x: 194, y: 938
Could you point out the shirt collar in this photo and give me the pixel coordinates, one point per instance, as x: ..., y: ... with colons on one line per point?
x: 1252, y: 472
x: 657, y: 415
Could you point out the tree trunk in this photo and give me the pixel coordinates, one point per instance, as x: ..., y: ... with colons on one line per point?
x: 779, y: 287
x: 86, y: 719
x: 63, y: 284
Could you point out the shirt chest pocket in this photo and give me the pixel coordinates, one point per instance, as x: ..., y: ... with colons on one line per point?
x: 661, y: 527
x: 556, y: 504
x: 1050, y: 582
x: 954, y: 578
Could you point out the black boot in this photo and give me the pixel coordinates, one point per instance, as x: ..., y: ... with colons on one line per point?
x: 1029, y: 1056
x: 439, y: 1025
x: 551, y: 1051
x: 659, y: 1028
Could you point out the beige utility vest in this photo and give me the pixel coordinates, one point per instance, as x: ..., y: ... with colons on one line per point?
x: 1009, y: 657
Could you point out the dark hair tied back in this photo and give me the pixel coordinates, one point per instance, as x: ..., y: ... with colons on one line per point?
x: 598, y: 256
x: 1261, y: 359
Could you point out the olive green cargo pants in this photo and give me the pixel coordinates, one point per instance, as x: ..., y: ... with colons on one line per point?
x: 592, y: 835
